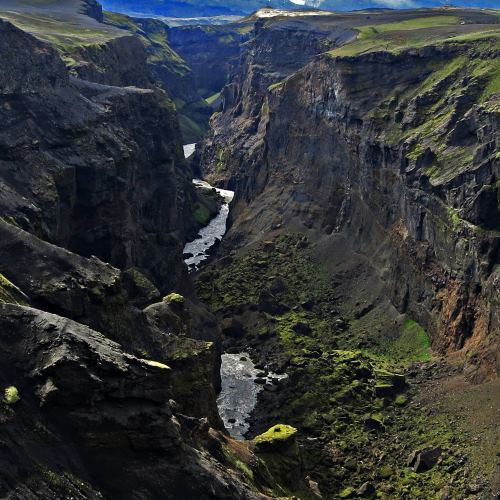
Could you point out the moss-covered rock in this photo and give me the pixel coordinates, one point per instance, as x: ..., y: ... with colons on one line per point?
x: 140, y: 289
x: 277, y: 433
x: 11, y: 395
x: 174, y: 298
x: 9, y: 293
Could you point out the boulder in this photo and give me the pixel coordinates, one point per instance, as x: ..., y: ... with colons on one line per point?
x: 424, y: 460
x: 366, y: 490
x: 301, y: 328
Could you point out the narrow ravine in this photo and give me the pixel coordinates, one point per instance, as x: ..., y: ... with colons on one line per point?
x: 241, y: 381
x: 197, y: 250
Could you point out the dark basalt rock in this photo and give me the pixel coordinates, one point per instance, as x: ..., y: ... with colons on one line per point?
x: 100, y: 413
x: 94, y: 202
x: 73, y: 168
x: 286, y: 112
x: 302, y: 328
x: 424, y: 460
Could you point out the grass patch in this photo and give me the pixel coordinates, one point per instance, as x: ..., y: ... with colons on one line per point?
x: 413, y: 344
x: 61, y: 32
x: 392, y: 36
x: 212, y: 99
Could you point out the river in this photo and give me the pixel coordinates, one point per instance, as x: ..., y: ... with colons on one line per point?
x: 215, y: 230
x: 241, y: 381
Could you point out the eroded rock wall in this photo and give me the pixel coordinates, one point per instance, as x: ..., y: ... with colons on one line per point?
x: 376, y: 149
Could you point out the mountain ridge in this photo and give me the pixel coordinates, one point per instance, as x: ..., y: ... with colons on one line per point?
x: 197, y: 8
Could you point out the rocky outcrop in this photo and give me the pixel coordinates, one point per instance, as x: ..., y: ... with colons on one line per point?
x: 339, y: 149
x: 94, y: 168
x: 94, y: 202
x: 93, y: 9
x: 100, y: 414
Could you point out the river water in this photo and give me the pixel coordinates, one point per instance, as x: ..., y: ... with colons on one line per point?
x: 239, y: 393
x: 238, y: 396
x: 215, y: 230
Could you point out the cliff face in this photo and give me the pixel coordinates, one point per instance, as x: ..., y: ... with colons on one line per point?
x: 74, y: 170
x: 394, y: 153
x: 212, y: 52
x: 106, y: 389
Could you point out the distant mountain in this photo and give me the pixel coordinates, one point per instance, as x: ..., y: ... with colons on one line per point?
x: 193, y: 8
x: 201, y: 8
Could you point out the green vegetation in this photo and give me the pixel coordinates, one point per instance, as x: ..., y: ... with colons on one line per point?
x: 9, y: 293
x: 146, y: 290
x: 156, y: 364
x: 275, y: 86
x: 413, y: 344
x: 61, y: 33
x: 221, y: 160
x: 278, y: 432
x: 213, y: 98
x: 174, y: 298
x: 414, y: 33
x: 488, y: 72
x: 354, y: 400
x: 395, y: 36
x: 191, y: 130
x: 11, y: 395
x: 455, y: 219
x: 202, y: 215
x: 348, y: 492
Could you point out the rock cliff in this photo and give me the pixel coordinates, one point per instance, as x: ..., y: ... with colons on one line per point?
x: 363, y: 247
x: 391, y: 151
x: 107, y: 391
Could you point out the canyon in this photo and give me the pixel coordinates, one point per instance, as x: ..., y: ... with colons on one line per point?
x: 303, y: 304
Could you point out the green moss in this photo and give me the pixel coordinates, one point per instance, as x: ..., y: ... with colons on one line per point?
x: 211, y: 100
x: 174, y: 298
x: 202, y: 215
x: 274, y: 86
x: 415, y: 151
x: 155, y: 364
x: 9, y: 293
x: 221, y: 161
x: 11, y: 395
x: 331, y: 391
x: 411, y: 345
x: 146, y: 290
x: 348, y: 492
x: 443, y: 72
x: 278, y: 432
x: 400, y: 400
x: 455, y: 219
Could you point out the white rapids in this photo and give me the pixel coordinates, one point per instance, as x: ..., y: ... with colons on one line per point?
x: 216, y: 228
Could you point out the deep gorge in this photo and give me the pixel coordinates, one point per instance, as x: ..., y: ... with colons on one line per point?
x: 350, y: 289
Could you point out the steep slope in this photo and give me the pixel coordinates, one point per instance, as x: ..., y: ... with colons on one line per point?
x: 106, y: 390
x: 363, y: 231
x: 365, y: 116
